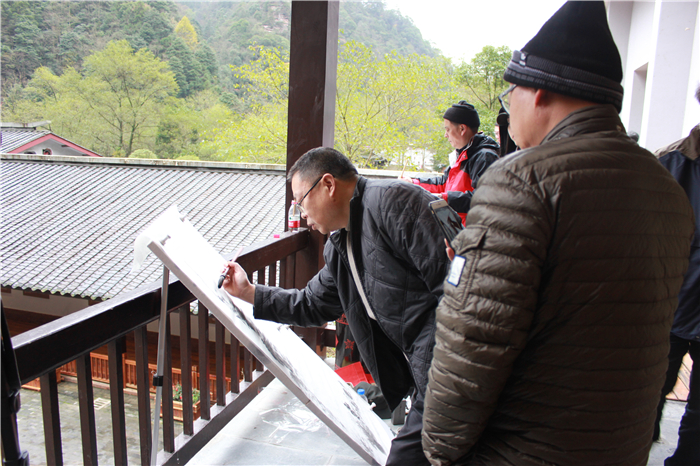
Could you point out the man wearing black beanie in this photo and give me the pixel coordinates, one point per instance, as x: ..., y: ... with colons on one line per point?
x: 552, y: 334
x: 475, y: 153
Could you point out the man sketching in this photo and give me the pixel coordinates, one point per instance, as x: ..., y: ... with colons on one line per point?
x: 384, y: 230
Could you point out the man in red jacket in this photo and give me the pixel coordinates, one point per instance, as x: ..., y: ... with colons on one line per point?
x: 475, y: 152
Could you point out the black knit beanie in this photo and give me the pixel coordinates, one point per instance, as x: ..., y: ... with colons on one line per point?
x: 463, y: 113
x: 573, y: 54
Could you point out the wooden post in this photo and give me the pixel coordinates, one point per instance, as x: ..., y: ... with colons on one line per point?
x: 313, y: 65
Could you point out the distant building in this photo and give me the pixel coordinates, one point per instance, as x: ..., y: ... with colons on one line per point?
x: 25, y: 138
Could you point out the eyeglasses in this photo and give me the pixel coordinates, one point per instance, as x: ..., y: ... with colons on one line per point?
x: 301, y: 209
x: 504, y: 98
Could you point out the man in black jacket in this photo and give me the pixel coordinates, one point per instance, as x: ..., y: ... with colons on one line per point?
x: 682, y: 159
x: 400, y: 262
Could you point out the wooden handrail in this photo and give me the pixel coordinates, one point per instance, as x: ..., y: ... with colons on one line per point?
x: 63, y: 340
x: 39, y: 352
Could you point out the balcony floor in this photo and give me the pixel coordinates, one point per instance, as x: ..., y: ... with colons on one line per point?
x: 275, y: 428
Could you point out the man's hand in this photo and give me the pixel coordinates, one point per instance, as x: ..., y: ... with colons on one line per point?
x: 237, y: 283
x: 450, y: 252
x: 406, y: 178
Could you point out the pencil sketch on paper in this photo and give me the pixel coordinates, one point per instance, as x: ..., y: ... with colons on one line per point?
x: 198, y: 266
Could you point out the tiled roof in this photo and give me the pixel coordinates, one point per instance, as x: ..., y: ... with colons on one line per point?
x: 70, y: 228
x: 14, y: 138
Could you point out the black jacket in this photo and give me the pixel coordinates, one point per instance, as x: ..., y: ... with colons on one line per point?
x: 683, y: 162
x: 400, y: 255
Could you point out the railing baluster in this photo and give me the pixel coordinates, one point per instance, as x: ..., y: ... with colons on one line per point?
x: 203, y: 321
x: 168, y: 422
x: 235, y: 365
x: 116, y: 393
x: 290, y: 264
x: 247, y: 365
x: 273, y: 274
x: 261, y: 281
x: 220, y: 363
x: 250, y: 363
x: 143, y: 384
x: 106, y: 323
x: 86, y: 400
x: 186, y: 370
x: 283, y: 273
x: 52, y: 418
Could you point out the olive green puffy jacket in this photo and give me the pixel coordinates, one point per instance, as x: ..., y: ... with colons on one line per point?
x: 552, y: 348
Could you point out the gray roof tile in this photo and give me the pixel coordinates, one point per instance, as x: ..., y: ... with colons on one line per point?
x: 70, y: 229
x: 14, y: 138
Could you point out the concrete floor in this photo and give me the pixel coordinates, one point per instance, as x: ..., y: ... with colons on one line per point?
x: 30, y: 426
x: 274, y: 429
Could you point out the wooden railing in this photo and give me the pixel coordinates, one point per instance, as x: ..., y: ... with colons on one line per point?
x: 100, y: 373
x: 70, y: 339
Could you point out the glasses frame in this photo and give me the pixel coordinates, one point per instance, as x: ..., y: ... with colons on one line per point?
x: 505, y: 105
x: 301, y: 209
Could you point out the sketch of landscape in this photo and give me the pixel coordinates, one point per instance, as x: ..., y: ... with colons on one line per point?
x: 198, y: 266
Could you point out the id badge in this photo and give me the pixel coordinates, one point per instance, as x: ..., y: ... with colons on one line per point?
x: 456, y: 270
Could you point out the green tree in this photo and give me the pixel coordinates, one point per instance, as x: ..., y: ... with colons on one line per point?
x: 388, y: 106
x: 206, y: 57
x: 185, y: 31
x: 190, y: 74
x: 126, y: 91
x: 24, y: 56
x: 185, y: 121
x: 57, y: 99
x: 260, y: 135
x: 483, y: 80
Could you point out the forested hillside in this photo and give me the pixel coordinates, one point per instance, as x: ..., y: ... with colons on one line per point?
x: 208, y: 80
x: 61, y: 34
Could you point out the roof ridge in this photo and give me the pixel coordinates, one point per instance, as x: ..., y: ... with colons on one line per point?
x: 146, y: 163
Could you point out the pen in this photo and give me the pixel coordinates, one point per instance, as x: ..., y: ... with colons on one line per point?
x: 223, y: 275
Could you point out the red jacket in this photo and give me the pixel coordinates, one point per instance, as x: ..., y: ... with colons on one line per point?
x: 458, y: 181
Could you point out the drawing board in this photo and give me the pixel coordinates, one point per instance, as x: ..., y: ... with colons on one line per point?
x: 198, y: 266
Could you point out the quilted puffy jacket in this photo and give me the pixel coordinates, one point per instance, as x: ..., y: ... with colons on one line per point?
x: 400, y: 255
x: 552, y: 348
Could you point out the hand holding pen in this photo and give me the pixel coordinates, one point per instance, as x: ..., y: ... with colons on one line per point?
x: 226, y: 270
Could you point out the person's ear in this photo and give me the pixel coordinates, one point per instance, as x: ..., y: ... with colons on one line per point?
x: 542, y: 97
x: 329, y: 182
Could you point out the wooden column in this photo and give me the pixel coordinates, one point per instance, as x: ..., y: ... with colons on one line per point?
x: 313, y: 63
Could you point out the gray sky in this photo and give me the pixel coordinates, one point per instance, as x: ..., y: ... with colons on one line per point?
x: 461, y: 28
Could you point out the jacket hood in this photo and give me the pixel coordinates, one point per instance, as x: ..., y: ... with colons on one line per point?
x: 481, y: 141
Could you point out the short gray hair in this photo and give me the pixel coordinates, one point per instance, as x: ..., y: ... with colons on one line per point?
x: 321, y: 160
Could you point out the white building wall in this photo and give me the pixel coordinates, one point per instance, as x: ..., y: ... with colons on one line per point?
x: 659, y: 47
x: 692, y: 110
